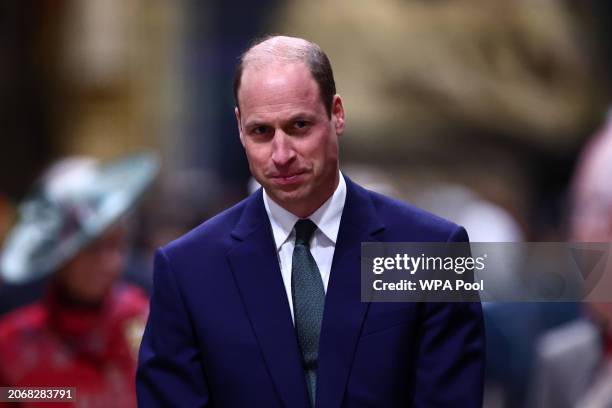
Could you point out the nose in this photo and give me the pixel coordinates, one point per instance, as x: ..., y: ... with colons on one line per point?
x: 282, y: 150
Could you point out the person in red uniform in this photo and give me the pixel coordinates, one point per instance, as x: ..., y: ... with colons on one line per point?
x: 86, y: 331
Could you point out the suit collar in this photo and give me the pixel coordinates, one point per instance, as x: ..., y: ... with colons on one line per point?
x: 360, y: 211
x: 253, y: 217
x: 254, y: 263
x: 344, y: 312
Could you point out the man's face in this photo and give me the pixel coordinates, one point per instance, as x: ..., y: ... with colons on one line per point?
x: 290, y: 141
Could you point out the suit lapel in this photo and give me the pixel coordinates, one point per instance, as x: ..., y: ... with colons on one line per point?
x: 344, y: 312
x: 255, y: 266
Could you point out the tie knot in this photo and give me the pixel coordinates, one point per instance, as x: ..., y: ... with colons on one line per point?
x: 303, y: 232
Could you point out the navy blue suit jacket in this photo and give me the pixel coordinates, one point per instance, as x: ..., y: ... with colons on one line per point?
x: 220, y: 332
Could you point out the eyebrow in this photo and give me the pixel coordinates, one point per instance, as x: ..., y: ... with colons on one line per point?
x: 297, y: 116
x: 254, y: 124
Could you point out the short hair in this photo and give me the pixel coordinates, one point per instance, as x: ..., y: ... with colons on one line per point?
x: 310, y: 53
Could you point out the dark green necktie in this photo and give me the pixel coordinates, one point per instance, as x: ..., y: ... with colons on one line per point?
x: 308, y: 301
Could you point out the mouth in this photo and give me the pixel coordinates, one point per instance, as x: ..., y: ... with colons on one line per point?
x: 288, y: 179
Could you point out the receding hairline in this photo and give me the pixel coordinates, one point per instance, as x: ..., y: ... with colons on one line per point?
x: 279, y: 49
x: 284, y: 50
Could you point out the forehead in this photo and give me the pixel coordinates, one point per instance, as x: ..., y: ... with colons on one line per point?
x: 278, y: 87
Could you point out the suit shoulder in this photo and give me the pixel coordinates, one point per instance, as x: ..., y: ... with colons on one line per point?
x: 400, y: 216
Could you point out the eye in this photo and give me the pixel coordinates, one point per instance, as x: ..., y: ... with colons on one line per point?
x: 260, y: 130
x: 301, y: 124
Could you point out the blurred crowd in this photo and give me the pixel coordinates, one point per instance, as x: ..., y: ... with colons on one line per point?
x: 493, y: 114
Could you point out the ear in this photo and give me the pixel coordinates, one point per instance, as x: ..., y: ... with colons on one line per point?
x: 237, y: 113
x: 338, y: 114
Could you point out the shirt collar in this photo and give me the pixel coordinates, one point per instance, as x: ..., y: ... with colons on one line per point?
x: 327, y: 217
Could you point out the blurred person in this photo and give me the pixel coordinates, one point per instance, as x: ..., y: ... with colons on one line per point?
x: 261, y: 305
x: 85, y: 331
x: 574, y: 361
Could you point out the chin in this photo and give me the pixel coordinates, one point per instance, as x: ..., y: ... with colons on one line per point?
x: 287, y: 200
x: 291, y: 196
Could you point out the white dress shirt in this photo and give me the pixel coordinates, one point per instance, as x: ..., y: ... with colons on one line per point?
x: 323, y: 244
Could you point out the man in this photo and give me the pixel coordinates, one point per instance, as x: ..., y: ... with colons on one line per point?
x: 260, y: 305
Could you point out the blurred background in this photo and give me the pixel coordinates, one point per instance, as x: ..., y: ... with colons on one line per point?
x: 477, y: 110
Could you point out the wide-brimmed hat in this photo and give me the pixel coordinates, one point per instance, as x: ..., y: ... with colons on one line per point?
x: 75, y: 202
